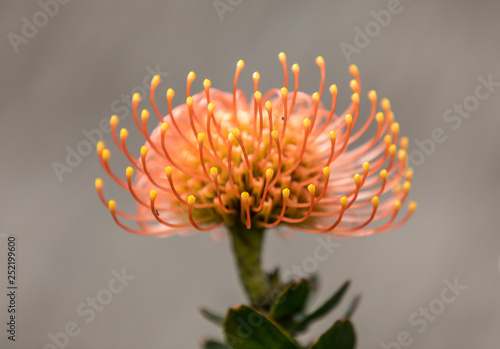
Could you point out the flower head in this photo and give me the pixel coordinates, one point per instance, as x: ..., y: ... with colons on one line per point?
x: 283, y: 158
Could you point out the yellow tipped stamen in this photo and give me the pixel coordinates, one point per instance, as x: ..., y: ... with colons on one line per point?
x: 201, y: 137
x: 372, y: 96
x: 105, y: 154
x: 386, y: 105
x: 383, y: 175
x: 409, y: 174
x: 144, y: 151
x: 375, y: 201
x: 357, y: 180
x: 191, y: 200
x: 312, y: 189
x: 246, y: 208
x: 412, y: 206
x: 380, y: 117
x: 353, y: 84
x: 326, y: 172
x: 144, y: 115
x: 315, y: 98
x: 354, y: 71
x: 388, y: 140
x: 155, y: 81
x: 403, y: 143
x: 296, y: 72
x: 321, y: 64
x: 406, y: 186
x: 214, y: 172
x: 237, y: 135
x: 98, y: 183
x: 275, y: 134
x: 285, y: 193
x: 136, y: 98
x: 343, y: 202
x: 239, y: 67
x: 206, y: 85
x: 190, y: 78
x: 397, y: 205
x: 152, y: 195
x: 100, y: 147
x: 284, y: 97
x: 112, y: 205
x: 129, y: 172
x: 282, y: 59
x: 256, y: 78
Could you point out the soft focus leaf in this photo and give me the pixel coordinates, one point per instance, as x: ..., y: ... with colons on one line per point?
x: 329, y: 305
x: 352, y: 307
x: 340, y: 336
x: 291, y: 300
x: 212, y: 317
x: 211, y: 344
x: 246, y: 328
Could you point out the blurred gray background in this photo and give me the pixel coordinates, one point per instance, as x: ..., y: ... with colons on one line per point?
x: 71, y: 74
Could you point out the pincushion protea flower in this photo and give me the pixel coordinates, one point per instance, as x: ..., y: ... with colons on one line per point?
x: 282, y: 159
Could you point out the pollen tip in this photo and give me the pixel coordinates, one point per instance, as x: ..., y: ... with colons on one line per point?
x: 412, y: 206
x: 392, y: 149
x: 191, y: 76
x: 191, y: 200
x: 375, y: 201
x: 155, y: 80
x: 144, y: 151
x: 114, y: 120
x: 214, y: 172
x: 189, y: 101
x: 332, y: 136
x: 409, y: 174
x: 256, y: 75
x: 315, y: 97
x: 112, y: 205
x: 100, y: 147
x: 407, y: 186
x: 281, y: 56
x: 397, y: 205
x: 284, y: 92
x: 306, y: 123
x: 333, y: 89
x: 379, y: 117
x: 170, y: 94
x: 388, y: 140
x: 383, y: 174
x: 320, y: 61
x: 123, y: 133
x: 275, y: 134
x: 258, y: 96
x: 136, y: 97
x: 201, y: 137
x: 244, y: 196
x: 129, y: 172
x: 348, y: 119
x: 269, y: 106
x: 207, y: 83
x: 144, y: 115
x: 366, y: 166
x: 343, y: 202
x: 395, y: 127
x: 353, y: 69
x: 385, y: 104
x: 105, y: 154
x: 311, y: 188
x: 231, y: 137
x: 402, y: 155
x: 236, y: 133
x: 240, y: 64
x: 286, y: 193
x: 269, y: 173
x: 296, y: 68
x: 355, y: 96
x: 404, y: 143
x: 372, y: 95
x: 98, y: 183
x: 164, y: 127
x: 326, y: 172
x: 168, y: 171
x: 357, y: 179
x: 211, y: 107
x: 152, y: 195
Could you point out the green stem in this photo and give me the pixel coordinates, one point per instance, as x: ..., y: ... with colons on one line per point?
x: 247, y: 246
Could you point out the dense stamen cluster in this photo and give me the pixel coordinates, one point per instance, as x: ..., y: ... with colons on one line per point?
x: 282, y: 159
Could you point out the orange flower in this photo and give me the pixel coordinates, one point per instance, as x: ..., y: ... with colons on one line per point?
x: 282, y: 159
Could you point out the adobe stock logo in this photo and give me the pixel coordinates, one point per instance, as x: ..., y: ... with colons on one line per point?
x: 31, y: 26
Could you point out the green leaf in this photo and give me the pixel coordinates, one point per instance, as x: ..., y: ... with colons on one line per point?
x: 212, y: 317
x: 352, y: 307
x: 246, y: 328
x: 340, y: 336
x: 291, y: 300
x: 329, y: 305
x: 211, y: 344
